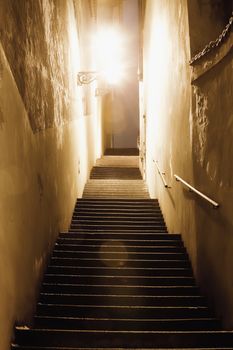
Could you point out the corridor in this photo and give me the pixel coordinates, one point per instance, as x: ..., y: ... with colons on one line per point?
x: 116, y: 119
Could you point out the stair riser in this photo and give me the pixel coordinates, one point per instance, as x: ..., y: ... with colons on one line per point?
x: 172, y: 272
x: 121, y: 256
x: 99, y: 176
x: 119, y: 290
x: 119, y: 210
x: 136, y: 219
x: 111, y: 232
x: 155, y: 281
x: 121, y: 301
x: 127, y: 243
x: 121, y: 312
x: 59, y: 261
x: 144, y: 237
x: 104, y: 280
x: 116, y: 194
x: 118, y: 249
x: 119, y: 202
x: 127, y: 325
x: 117, y: 207
x: 118, y: 226
x: 127, y: 340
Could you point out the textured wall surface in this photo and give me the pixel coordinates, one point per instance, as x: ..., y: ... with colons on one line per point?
x: 47, y: 146
x: 189, y: 132
x: 212, y: 164
x: 36, y: 39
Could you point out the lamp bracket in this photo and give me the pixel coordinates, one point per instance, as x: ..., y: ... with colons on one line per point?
x: 87, y: 77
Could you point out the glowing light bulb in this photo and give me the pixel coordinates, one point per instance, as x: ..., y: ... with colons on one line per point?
x: 108, y: 52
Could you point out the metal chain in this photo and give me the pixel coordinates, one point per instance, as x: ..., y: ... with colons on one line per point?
x: 215, y: 43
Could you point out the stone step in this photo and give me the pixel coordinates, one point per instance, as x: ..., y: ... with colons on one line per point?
x: 124, y: 339
x: 125, y: 237
x: 118, y: 160
x: 110, y: 248
x: 122, y: 300
x: 124, y: 262
x: 115, y: 188
x: 132, y: 324
x: 117, y: 207
x: 128, y: 243
x: 136, y: 222
x: 117, y: 218
x: 131, y: 201
x: 131, y: 256
x: 91, y: 212
x: 119, y: 289
x: 102, y: 172
x: 120, y: 271
x: 117, y: 194
x: 116, y: 152
x: 118, y: 203
x: 117, y: 231
x: 128, y: 280
x: 114, y: 311
x: 18, y: 347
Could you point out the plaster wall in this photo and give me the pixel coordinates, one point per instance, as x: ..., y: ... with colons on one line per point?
x: 47, y: 146
x: 167, y: 95
x: 212, y: 112
x: 189, y: 133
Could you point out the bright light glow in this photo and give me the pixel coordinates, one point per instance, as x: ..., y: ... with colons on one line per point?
x: 113, y: 75
x: 107, y: 46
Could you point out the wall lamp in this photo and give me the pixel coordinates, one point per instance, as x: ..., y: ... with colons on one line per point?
x: 87, y: 77
x: 107, y: 50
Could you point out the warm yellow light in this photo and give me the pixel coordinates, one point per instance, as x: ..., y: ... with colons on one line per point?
x: 107, y: 47
x: 113, y: 74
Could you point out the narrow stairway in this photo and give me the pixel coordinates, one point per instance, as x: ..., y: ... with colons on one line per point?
x: 117, y: 279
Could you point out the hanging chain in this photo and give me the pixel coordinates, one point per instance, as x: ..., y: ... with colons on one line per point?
x: 213, y: 44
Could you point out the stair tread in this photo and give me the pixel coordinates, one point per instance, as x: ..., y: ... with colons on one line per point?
x: 117, y: 278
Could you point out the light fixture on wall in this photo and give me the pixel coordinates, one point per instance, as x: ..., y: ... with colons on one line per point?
x: 87, y: 77
x: 107, y: 50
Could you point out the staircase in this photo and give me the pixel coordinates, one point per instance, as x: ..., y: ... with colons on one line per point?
x: 117, y: 279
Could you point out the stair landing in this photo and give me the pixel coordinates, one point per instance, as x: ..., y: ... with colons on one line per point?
x: 116, y: 177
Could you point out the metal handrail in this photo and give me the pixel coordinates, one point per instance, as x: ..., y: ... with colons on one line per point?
x: 161, y: 174
x: 192, y: 189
